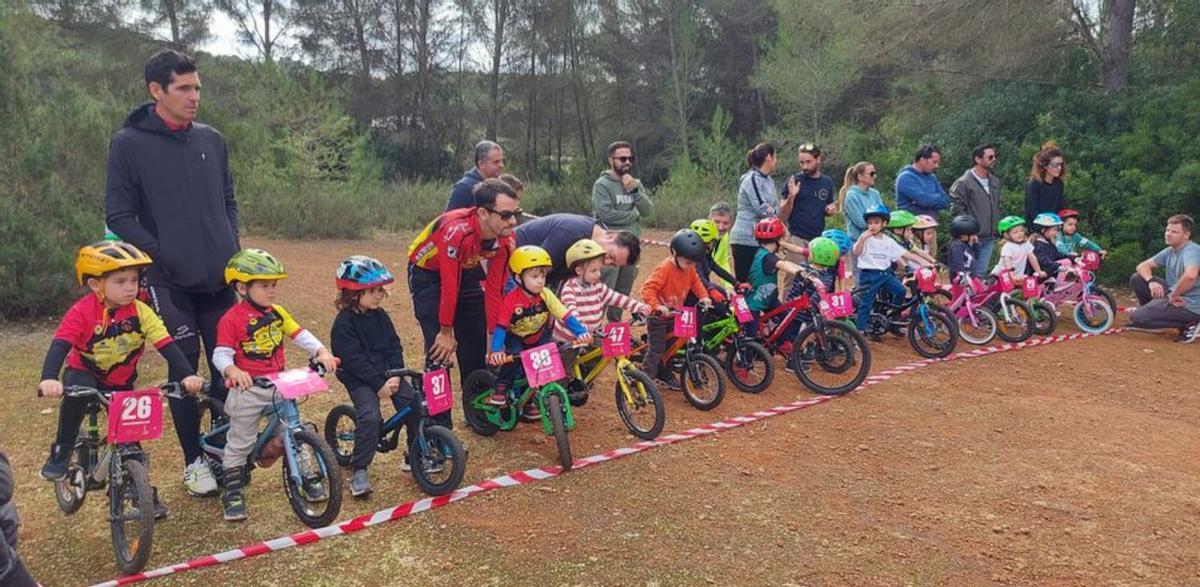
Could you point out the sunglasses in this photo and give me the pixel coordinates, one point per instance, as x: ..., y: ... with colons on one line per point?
x: 624, y: 159
x: 1057, y: 165
x: 505, y: 215
x: 872, y: 174
x: 811, y: 149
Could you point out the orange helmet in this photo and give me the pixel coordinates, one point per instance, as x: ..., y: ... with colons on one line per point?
x: 101, y: 258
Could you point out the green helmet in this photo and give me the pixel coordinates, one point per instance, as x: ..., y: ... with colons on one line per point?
x: 902, y: 219
x: 1008, y: 223
x: 249, y: 265
x: 707, y: 229
x: 823, y: 251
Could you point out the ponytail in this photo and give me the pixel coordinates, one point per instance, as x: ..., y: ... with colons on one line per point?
x: 758, y: 155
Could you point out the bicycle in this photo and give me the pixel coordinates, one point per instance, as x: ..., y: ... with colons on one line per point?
x: 1075, y: 284
x: 639, y: 403
x: 118, y: 462
x: 311, y: 480
x: 931, y: 330
x: 700, y: 375
x: 554, y: 409
x: 436, y: 450
x: 825, y: 350
x: 744, y: 356
x: 977, y: 324
x: 1014, y: 317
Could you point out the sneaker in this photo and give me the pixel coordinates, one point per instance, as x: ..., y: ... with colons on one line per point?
x: 407, y: 466
x: 233, y: 505
x: 160, y: 510
x: 360, y: 485
x: 790, y: 365
x: 741, y: 373
x: 1188, y: 335
x: 785, y: 349
x: 499, y: 398
x: 671, y: 382
x: 57, y: 463
x: 314, y: 491
x: 199, y: 480
x: 531, y: 413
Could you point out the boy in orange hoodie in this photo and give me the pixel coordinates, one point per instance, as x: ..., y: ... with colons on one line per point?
x: 668, y: 286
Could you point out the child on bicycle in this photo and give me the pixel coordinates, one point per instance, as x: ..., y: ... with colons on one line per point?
x: 250, y: 344
x: 364, y: 340
x: 900, y: 226
x: 924, y: 236
x: 586, y: 296
x: 667, y: 286
x: 763, y: 295
x: 1044, y: 249
x: 101, y: 339
x: 876, y: 254
x: 525, y: 317
x: 708, y: 232
x: 823, y: 255
x: 1069, y: 240
x: 963, y: 251
x: 1017, y: 253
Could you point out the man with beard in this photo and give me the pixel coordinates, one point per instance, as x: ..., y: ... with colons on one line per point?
x: 619, y: 201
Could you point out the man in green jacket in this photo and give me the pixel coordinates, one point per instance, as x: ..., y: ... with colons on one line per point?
x: 619, y: 201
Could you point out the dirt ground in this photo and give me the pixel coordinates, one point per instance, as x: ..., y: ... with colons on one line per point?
x: 1071, y: 464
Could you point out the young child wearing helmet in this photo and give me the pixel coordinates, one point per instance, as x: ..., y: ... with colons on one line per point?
x: 1047, y: 225
x: 709, y: 234
x: 364, y: 340
x: 250, y: 344
x: 763, y: 295
x: 1017, y: 253
x: 1069, y: 240
x: 876, y: 254
x: 844, y: 245
x: 963, y: 250
x: 585, y: 295
x: 924, y: 237
x: 526, y: 317
x: 666, y: 288
x: 101, y: 338
x: 900, y: 226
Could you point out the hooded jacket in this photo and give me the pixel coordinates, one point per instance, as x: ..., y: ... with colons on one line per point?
x: 170, y: 193
x: 618, y: 209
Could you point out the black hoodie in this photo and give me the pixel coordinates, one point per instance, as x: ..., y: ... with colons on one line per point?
x: 170, y: 193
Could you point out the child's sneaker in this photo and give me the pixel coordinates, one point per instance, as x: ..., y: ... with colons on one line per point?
x: 360, y: 484
x: 198, y: 479
x: 233, y: 502
x: 499, y: 396
x: 669, y: 381
x: 314, y: 491
x: 57, y: 463
x: 407, y: 466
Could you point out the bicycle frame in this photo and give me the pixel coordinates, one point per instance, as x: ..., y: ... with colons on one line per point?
x: 283, y: 411
x: 597, y: 354
x: 964, y: 305
x: 1074, y: 291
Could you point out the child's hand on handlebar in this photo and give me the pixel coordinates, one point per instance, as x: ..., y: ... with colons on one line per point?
x: 327, y: 360
x: 50, y: 388
x: 192, y: 384
x: 237, y: 379
x: 706, y: 303
x: 497, y: 358
x: 583, y: 340
x: 390, y: 387
x: 664, y: 311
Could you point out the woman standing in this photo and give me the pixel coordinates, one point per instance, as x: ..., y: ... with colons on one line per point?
x: 858, y: 195
x: 757, y: 200
x: 1044, y: 192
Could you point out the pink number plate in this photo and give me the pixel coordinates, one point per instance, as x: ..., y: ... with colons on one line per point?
x: 542, y: 365
x: 1029, y: 287
x: 438, y: 395
x: 1006, y: 281
x: 616, y: 340
x: 838, y: 305
x: 685, y: 322
x: 297, y: 383
x: 134, y: 416
x: 926, y: 280
x: 742, y: 310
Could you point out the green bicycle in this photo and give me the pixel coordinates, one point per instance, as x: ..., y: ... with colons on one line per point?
x: 747, y: 362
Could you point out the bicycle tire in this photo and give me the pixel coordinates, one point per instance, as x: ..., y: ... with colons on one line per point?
x: 749, y: 354
x: 971, y: 334
x: 1022, y: 314
x: 639, y: 380
x: 920, y: 341
x: 71, y: 490
x: 132, y: 551
x: 338, y: 415
x: 478, y: 382
x: 702, y: 368
x: 839, y: 332
x: 1045, y: 318
x: 554, y: 408
x: 1099, y: 304
x: 444, y: 446
x: 331, y: 477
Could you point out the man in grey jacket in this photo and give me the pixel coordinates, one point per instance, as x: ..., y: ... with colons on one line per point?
x: 619, y: 201
x: 977, y: 194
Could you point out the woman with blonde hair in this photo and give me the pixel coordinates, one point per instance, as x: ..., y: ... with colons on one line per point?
x: 1044, y: 192
x: 858, y: 194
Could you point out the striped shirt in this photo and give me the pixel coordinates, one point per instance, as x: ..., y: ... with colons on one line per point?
x: 588, y: 303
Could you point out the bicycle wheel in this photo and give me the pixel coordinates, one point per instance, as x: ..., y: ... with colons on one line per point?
x: 70, y: 491
x: 749, y: 367
x: 438, y: 461
x: 702, y: 382
x: 1108, y: 297
x: 1014, y: 324
x: 339, y: 432
x: 933, y: 335
x: 131, y: 516
x: 1101, y: 317
x: 646, y: 416
x: 1045, y: 319
x: 479, y: 382
x: 832, y: 362
x: 317, y: 500
x: 981, y: 330
x: 558, y: 425
x: 942, y: 297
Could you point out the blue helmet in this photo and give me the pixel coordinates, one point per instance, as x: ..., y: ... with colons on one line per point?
x: 1046, y: 220
x: 879, y: 211
x: 360, y: 272
x: 840, y: 238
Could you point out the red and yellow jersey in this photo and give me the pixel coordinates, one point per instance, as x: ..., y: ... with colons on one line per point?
x: 453, y: 243
x: 257, y: 337
x: 527, y: 316
x: 108, y: 344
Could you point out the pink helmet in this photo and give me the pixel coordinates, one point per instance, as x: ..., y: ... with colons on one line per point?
x: 925, y: 221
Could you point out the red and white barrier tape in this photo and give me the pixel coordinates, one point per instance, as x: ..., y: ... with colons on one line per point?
x: 533, y: 475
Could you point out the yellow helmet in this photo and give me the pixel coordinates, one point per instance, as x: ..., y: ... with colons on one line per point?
x: 707, y: 229
x: 528, y: 257
x: 249, y: 265
x: 584, y: 249
x: 101, y: 258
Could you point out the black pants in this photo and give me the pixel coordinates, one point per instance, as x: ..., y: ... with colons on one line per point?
x: 12, y: 571
x: 743, y: 258
x: 368, y: 420
x: 73, y: 409
x: 1157, y: 313
x: 470, y: 323
x: 192, y: 318
x: 657, y: 331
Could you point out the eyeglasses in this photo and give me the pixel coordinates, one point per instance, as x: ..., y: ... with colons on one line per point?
x: 1058, y: 164
x: 871, y: 173
x: 624, y: 159
x: 505, y: 215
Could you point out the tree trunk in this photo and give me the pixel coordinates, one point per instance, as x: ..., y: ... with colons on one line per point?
x: 172, y: 10
x: 499, y: 16
x: 1116, y: 31
x: 360, y: 37
x: 677, y: 81
x: 268, y: 43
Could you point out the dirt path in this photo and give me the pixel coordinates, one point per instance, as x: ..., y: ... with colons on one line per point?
x: 1073, y: 464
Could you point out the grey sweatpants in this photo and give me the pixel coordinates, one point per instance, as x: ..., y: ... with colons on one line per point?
x: 244, y: 407
x: 1157, y: 312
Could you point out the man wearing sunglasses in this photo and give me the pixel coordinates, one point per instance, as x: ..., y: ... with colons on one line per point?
x: 619, y: 201
x: 454, y: 311
x: 977, y: 194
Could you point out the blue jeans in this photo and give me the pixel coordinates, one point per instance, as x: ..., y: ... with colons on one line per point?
x: 986, y: 246
x: 871, y: 281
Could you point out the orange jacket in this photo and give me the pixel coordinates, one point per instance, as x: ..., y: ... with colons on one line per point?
x: 669, y: 285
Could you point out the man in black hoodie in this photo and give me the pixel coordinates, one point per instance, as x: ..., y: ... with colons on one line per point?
x: 170, y: 193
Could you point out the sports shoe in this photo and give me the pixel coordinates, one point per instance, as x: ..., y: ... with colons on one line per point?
x: 498, y: 398
x: 233, y: 505
x: 1188, y: 335
x: 406, y: 466
x: 790, y: 365
x: 314, y: 491
x: 199, y: 480
x: 160, y: 510
x: 360, y: 484
x: 670, y: 382
x: 57, y: 463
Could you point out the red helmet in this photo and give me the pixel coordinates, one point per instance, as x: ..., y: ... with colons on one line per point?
x: 769, y: 229
x: 1066, y: 213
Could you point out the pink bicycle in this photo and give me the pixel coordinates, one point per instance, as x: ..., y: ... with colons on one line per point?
x: 1075, y: 284
x: 1003, y: 314
x: 977, y: 324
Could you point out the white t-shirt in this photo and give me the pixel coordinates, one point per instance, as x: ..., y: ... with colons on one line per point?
x: 1018, y: 255
x: 879, y: 252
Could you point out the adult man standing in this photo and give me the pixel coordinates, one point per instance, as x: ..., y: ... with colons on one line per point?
x: 807, y: 197
x: 619, y: 201
x: 557, y: 232
x: 1175, y: 301
x: 170, y: 193
x: 917, y: 188
x: 977, y: 194
x: 489, y: 164
x: 454, y: 311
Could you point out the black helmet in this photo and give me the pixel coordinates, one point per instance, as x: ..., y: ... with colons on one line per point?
x: 963, y: 225
x: 687, y: 244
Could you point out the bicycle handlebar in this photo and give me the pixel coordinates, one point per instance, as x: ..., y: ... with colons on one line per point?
x: 170, y: 389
